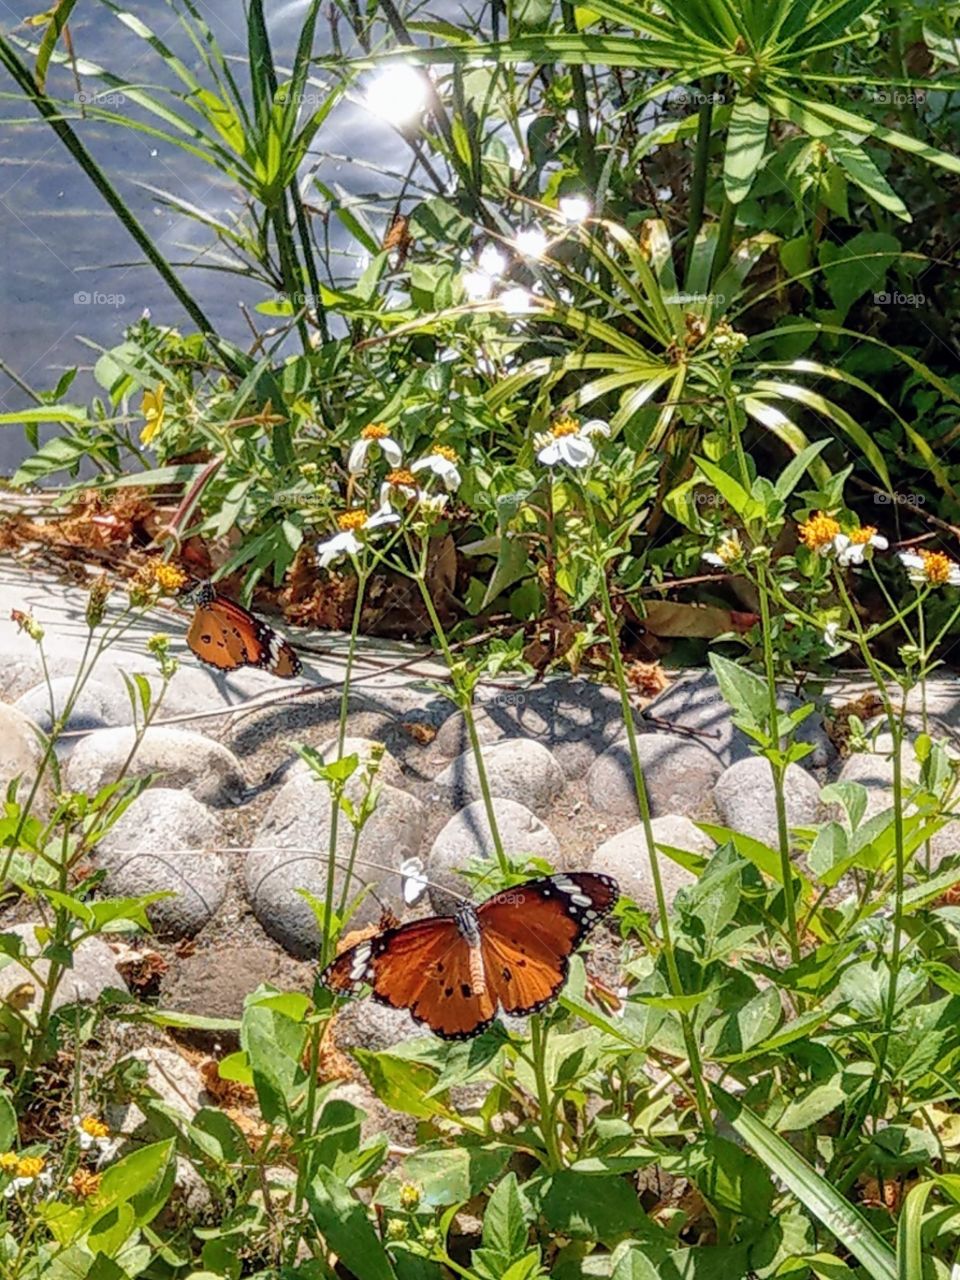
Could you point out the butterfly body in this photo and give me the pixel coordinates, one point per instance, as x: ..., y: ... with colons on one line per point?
x: 225, y: 635
x: 511, y: 952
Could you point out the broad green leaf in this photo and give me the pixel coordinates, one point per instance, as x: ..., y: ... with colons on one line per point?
x: 344, y: 1223
x: 862, y: 170
x: 746, y: 143
x: 744, y: 692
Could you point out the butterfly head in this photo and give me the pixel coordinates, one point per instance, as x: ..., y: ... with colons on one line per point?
x: 469, y: 924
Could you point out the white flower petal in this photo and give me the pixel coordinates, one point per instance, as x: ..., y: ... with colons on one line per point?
x: 574, y: 208
x: 357, y: 461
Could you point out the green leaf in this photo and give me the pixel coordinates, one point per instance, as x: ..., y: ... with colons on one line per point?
x: 345, y: 1225
x: 726, y: 486
x: 602, y: 1208
x: 814, y: 1192
x: 8, y: 1122
x: 445, y: 1175
x: 401, y: 1084
x: 504, y: 1223
x: 857, y: 266
x: 746, y: 143
x: 274, y: 1046
x: 862, y: 170
x: 744, y: 691
x: 729, y: 1177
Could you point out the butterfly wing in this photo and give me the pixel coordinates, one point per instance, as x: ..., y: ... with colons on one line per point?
x: 226, y: 635
x: 529, y: 932
x: 423, y: 967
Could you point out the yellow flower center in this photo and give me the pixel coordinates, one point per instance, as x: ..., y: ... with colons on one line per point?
x: 29, y: 1166
x: 862, y: 536
x: 936, y: 567
x: 94, y: 1127
x: 348, y: 521
x: 9, y: 1161
x: 167, y: 576
x: 375, y: 431
x: 564, y: 427
x: 402, y: 476
x: 444, y: 451
x: 818, y: 531
x: 729, y: 548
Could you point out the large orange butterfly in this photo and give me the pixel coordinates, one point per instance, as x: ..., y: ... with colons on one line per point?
x: 227, y: 636
x: 512, y: 951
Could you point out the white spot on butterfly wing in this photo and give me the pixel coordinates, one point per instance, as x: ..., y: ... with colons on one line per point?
x: 361, y: 962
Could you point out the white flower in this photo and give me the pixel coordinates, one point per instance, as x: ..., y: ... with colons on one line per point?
x: 375, y: 434
x: 402, y: 483
x: 516, y: 302
x: 398, y: 94
x: 491, y: 261
x: 413, y: 880
x: 930, y: 568
x: 346, y: 542
x: 852, y: 548
x: 91, y: 1133
x: 574, y: 208
x: 530, y: 242
x: 477, y: 285
x: 335, y: 548
x: 727, y: 551
x: 567, y: 442
x: 831, y: 639
x: 442, y: 465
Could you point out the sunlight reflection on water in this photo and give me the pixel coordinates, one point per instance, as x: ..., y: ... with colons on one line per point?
x: 69, y: 270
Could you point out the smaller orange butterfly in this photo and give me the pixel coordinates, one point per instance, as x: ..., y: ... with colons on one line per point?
x: 225, y: 635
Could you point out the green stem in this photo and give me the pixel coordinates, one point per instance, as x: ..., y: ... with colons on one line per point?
x: 643, y: 804
x: 779, y: 770
x: 465, y: 703
x: 548, y: 1127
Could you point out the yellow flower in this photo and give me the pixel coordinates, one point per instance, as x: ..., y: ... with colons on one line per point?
x: 29, y: 1166
x: 9, y: 1161
x: 818, y: 532
x: 351, y: 520
x: 375, y: 431
x: 153, y: 411
x: 96, y: 1128
x: 565, y: 426
x: 930, y: 568
x: 444, y: 451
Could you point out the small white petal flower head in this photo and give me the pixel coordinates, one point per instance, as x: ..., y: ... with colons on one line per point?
x: 727, y: 551
x: 346, y: 542
x: 374, y: 435
x: 91, y: 1133
x: 570, y: 443
x: 930, y: 568
x: 574, y: 208
x: 477, y: 285
x: 516, y: 301
x: 831, y: 639
x: 413, y: 879
x: 852, y: 548
x: 530, y: 242
x: 441, y: 461
x: 491, y: 261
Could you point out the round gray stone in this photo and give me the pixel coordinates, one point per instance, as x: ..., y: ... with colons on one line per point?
x: 575, y: 719
x: 696, y: 703
x: 626, y: 858
x: 21, y: 755
x: 290, y: 853
x: 180, y: 758
x: 519, y: 769
x: 467, y: 835
x: 874, y: 771
x: 94, y: 970
x: 745, y: 801
x: 215, y: 983
x: 678, y: 772
x: 166, y: 843
x: 98, y: 705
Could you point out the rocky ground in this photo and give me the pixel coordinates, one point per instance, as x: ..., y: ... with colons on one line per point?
x: 234, y: 824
